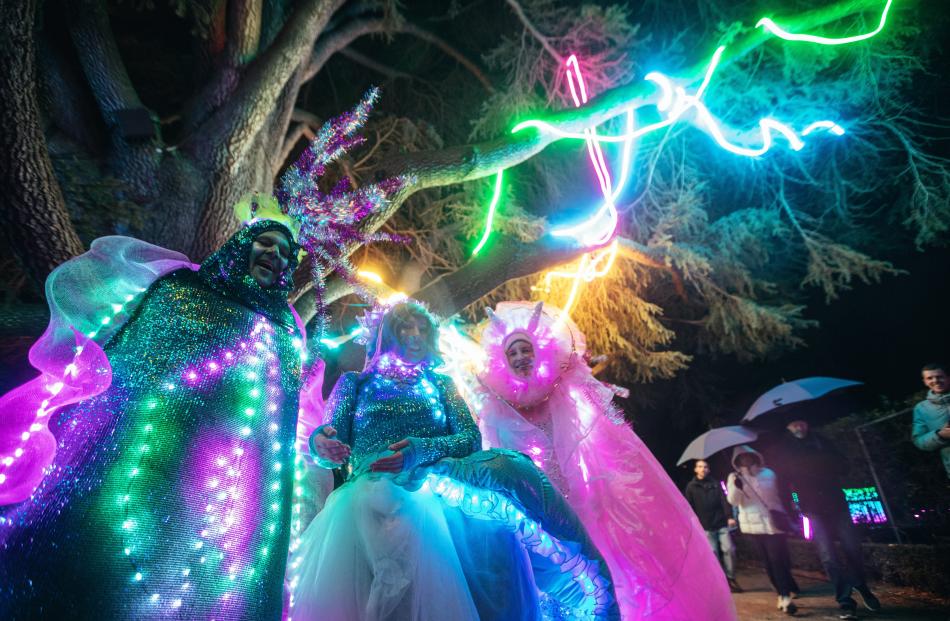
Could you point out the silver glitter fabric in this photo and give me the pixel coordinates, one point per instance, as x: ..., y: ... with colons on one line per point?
x: 170, y: 494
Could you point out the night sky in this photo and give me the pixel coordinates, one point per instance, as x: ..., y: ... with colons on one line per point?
x: 879, y: 334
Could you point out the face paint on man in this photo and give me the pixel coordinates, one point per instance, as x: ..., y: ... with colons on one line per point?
x: 270, y: 255
x: 520, y: 356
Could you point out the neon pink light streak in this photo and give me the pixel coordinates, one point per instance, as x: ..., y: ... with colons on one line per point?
x: 594, y: 231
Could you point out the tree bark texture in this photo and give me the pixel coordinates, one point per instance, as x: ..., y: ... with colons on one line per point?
x: 134, y: 161
x: 506, y: 260
x: 33, y: 218
x: 244, y: 30
x: 221, y: 144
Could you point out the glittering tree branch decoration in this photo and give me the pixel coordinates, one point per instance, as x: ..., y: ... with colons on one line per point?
x: 329, y: 222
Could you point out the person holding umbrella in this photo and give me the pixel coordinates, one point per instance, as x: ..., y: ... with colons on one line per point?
x: 715, y: 515
x: 754, y: 489
x: 811, y: 466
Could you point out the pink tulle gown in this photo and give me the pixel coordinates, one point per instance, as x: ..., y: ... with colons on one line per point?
x: 564, y: 419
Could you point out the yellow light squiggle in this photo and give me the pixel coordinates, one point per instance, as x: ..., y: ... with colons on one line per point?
x: 371, y: 276
x: 592, y: 265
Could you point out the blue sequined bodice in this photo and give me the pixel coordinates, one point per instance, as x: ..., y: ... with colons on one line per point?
x: 372, y: 411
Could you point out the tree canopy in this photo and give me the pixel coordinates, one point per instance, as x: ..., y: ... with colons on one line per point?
x: 153, y: 118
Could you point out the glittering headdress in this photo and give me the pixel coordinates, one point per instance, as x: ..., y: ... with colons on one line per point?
x: 327, y: 224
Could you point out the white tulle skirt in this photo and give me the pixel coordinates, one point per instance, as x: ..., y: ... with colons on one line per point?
x: 485, y: 537
x: 379, y: 552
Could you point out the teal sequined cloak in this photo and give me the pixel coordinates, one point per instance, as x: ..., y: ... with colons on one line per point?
x: 170, y: 494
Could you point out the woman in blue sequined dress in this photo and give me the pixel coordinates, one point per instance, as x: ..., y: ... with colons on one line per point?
x: 426, y: 525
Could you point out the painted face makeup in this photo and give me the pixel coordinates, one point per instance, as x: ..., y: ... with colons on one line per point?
x: 413, y: 336
x: 520, y: 355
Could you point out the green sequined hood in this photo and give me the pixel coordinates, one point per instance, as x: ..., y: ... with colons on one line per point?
x: 226, y: 271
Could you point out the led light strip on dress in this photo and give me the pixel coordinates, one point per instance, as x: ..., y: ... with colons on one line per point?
x: 255, y: 359
x: 484, y: 504
x: 54, y: 388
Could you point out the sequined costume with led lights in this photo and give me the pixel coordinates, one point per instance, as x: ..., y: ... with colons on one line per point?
x: 459, y: 533
x: 169, y: 494
x: 563, y: 418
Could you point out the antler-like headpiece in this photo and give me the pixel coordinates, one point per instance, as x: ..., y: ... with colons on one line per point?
x: 328, y: 224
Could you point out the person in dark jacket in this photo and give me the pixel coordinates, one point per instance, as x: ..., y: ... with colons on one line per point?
x: 709, y: 503
x: 811, y: 466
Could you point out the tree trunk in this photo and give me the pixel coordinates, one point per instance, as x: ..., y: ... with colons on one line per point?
x: 134, y: 160
x: 33, y: 219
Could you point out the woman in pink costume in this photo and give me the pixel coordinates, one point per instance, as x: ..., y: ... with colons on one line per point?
x: 538, y: 396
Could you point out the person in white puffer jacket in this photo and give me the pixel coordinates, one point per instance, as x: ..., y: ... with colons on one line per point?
x: 753, y: 488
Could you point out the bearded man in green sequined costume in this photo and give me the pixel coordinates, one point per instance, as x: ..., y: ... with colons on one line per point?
x: 170, y: 493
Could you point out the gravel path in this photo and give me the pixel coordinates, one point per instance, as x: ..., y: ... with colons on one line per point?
x: 817, y: 600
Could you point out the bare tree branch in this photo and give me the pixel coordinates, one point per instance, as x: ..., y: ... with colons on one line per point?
x: 509, y: 259
x: 446, y: 47
x: 234, y: 124
x: 308, y: 124
x: 299, y: 131
x: 276, y: 131
x: 369, y: 63
x: 452, y: 292
x: 217, y: 38
x: 465, y: 163
x: 244, y: 27
x: 453, y: 165
x: 311, y: 119
x: 339, y: 39
x: 66, y: 98
x: 99, y: 55
x: 136, y: 162
x: 641, y: 254
x: 223, y: 142
x: 519, y: 11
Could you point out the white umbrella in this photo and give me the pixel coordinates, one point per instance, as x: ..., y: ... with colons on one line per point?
x: 783, y: 395
x: 716, y: 440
